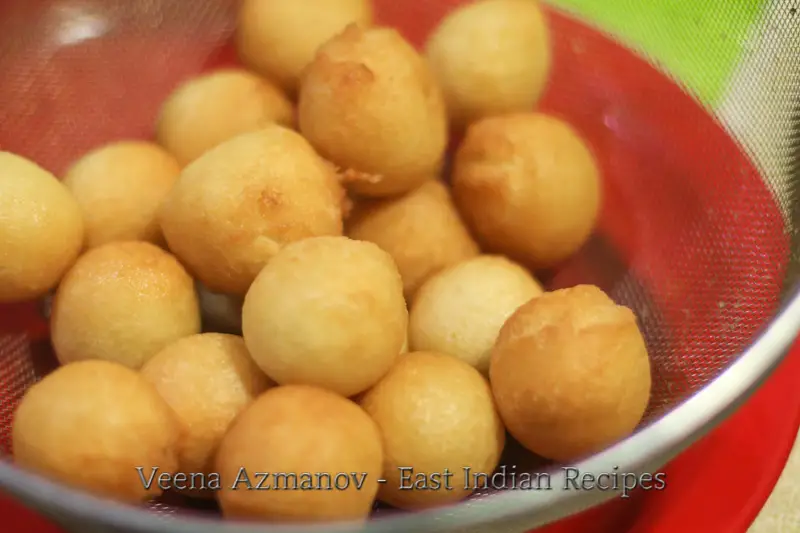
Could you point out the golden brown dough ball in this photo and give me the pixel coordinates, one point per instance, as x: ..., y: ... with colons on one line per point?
x: 278, y: 38
x: 119, y: 187
x: 460, y: 310
x: 41, y: 229
x: 570, y: 373
x: 325, y: 451
x: 528, y: 186
x: 369, y: 104
x: 238, y: 204
x: 491, y: 57
x: 436, y: 415
x: 207, y: 379
x: 90, y: 425
x: 421, y: 230
x: 210, y: 109
x: 326, y: 311
x: 122, y: 302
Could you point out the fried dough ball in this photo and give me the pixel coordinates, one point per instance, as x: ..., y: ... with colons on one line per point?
x: 435, y: 414
x: 119, y: 188
x: 460, y: 310
x: 316, y: 441
x: 528, y: 186
x: 369, y: 104
x: 278, y: 38
x: 403, y: 350
x: 570, y: 373
x: 491, y: 57
x: 421, y: 230
x: 329, y: 312
x: 41, y: 229
x: 238, y: 204
x: 122, y: 302
x: 210, y: 109
x: 207, y: 379
x: 221, y: 313
x: 91, y: 425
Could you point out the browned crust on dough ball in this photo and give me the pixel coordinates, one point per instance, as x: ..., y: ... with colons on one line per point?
x: 369, y: 104
x: 326, y: 434
x: 529, y: 187
x: 90, y: 425
x: 570, y: 373
x: 422, y: 231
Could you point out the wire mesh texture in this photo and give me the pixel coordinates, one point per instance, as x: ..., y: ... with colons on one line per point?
x: 698, y: 233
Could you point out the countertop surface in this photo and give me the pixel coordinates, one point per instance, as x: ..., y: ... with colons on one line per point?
x: 781, y: 513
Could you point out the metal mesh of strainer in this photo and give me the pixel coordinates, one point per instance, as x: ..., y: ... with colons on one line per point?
x: 696, y: 237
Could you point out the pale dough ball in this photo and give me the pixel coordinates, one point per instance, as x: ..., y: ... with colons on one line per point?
x: 528, y: 186
x: 570, y: 373
x: 207, y: 379
x: 369, y: 104
x: 90, y: 425
x: 210, y: 109
x: 421, y: 230
x: 221, y: 313
x: 122, y: 302
x: 238, y: 204
x: 119, y: 188
x: 460, y: 310
x: 326, y: 311
x: 41, y: 229
x: 278, y: 38
x: 435, y: 414
x: 491, y: 57
x: 314, y: 440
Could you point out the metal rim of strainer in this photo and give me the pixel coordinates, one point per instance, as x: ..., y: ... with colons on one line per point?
x: 648, y: 449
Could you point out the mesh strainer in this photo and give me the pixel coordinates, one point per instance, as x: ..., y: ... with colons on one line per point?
x: 698, y: 233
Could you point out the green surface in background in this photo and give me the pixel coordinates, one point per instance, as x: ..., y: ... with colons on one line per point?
x: 698, y: 41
